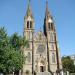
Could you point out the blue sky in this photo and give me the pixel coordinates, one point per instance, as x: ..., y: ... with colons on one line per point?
x: 12, y: 14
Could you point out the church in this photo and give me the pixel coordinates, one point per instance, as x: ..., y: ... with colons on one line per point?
x: 42, y: 54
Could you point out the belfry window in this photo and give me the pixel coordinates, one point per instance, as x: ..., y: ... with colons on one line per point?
x: 27, y: 24
x: 30, y: 24
x: 49, y: 25
x: 29, y: 57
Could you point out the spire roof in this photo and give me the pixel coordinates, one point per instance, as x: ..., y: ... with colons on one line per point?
x: 47, y: 14
x: 29, y: 11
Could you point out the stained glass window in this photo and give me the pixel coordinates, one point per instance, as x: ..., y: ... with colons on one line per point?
x: 41, y: 49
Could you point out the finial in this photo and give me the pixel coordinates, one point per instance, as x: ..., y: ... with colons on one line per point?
x: 47, y: 11
x: 46, y: 5
x: 28, y: 2
x: 28, y: 11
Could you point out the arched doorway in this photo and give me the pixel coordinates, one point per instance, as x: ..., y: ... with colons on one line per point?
x: 42, y: 66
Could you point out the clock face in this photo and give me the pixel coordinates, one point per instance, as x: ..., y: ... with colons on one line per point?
x: 41, y: 49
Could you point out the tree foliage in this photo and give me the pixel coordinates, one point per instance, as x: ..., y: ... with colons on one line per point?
x: 68, y: 64
x: 11, y: 57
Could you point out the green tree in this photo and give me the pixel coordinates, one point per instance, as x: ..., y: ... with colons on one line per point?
x: 18, y: 43
x: 11, y: 56
x: 68, y: 64
x: 3, y: 46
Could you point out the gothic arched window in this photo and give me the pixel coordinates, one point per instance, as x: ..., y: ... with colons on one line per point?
x: 31, y: 36
x: 30, y: 24
x: 49, y: 25
x: 28, y: 57
x: 27, y: 24
x: 52, y: 26
x: 53, y: 58
x: 52, y: 46
x: 51, y: 37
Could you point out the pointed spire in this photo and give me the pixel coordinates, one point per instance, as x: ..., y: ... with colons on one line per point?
x: 28, y: 4
x: 46, y: 7
x: 47, y: 14
x: 29, y: 11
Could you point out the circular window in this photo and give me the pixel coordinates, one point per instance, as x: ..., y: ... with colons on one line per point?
x: 40, y: 49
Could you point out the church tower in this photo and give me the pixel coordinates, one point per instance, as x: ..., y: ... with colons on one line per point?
x: 54, y: 59
x: 28, y: 34
x: 28, y: 23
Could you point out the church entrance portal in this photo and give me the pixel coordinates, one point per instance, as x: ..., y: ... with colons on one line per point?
x: 42, y: 68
